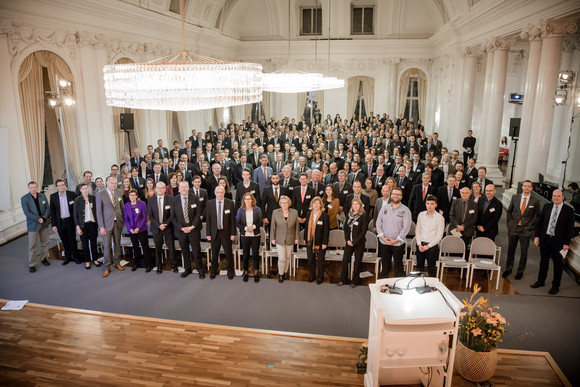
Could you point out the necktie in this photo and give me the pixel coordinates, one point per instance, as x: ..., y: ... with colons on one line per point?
x: 185, y: 210
x: 265, y: 174
x: 315, y: 188
x: 112, y: 195
x: 136, y: 182
x: 285, y: 183
x: 370, y: 170
x: 522, y: 209
x: 156, y: 179
x: 303, y: 192
x: 189, y: 155
x: 341, y: 186
x: 450, y: 193
x: 553, y: 219
x: 276, y: 194
x: 424, y: 192
x: 160, y: 204
x: 219, y: 216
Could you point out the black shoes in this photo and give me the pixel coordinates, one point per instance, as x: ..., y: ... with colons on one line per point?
x: 281, y: 278
x: 148, y: 269
x: 256, y: 278
x: 174, y: 269
x: 318, y: 282
x: 185, y: 273
x: 88, y: 266
x: 554, y: 290
x: 159, y: 270
x: 340, y: 283
x: 231, y: 276
x: 506, y: 273
x: 212, y: 276
x: 66, y: 261
x: 45, y: 262
x: 519, y: 276
x: 32, y: 269
x: 201, y: 275
x: 245, y: 277
x: 311, y: 279
x: 134, y: 267
x: 536, y: 285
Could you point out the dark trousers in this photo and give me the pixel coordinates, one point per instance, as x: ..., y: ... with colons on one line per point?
x: 548, y: 250
x: 388, y: 253
x: 254, y: 244
x: 513, y: 240
x: 222, y: 239
x: 141, y: 238
x: 67, y: 234
x: 89, y: 235
x: 167, y: 237
x: 192, y: 239
x: 358, y: 252
x: 431, y: 255
x: 316, y: 262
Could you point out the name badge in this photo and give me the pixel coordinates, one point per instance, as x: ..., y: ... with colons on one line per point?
x: 291, y: 188
x: 329, y: 206
x: 319, y: 223
x: 345, y: 192
x: 136, y: 210
x: 119, y: 199
x: 193, y: 205
x: 226, y: 211
x: 44, y: 202
x: 355, y: 223
x: 402, y: 187
x: 253, y: 191
x: 530, y: 206
x: 167, y: 207
x: 71, y: 202
x: 472, y: 211
x: 454, y: 197
x: 201, y: 199
x: 492, y: 210
x: 90, y: 205
x: 307, y: 197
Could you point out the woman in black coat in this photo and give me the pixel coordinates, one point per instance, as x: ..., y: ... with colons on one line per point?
x: 355, y: 230
x: 316, y: 240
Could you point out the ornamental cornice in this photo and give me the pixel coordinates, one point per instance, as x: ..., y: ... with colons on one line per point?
x: 423, y: 62
x: 549, y: 28
x: 497, y: 43
x: 472, y: 51
x: 391, y: 60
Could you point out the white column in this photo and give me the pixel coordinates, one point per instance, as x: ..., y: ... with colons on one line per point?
x: 392, y: 87
x: 531, y: 32
x: 552, y: 33
x: 467, y: 92
x: 484, y: 122
x: 488, y: 154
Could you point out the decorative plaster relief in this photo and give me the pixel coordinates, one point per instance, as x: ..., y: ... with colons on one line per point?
x: 391, y: 61
x: 571, y: 42
x: 422, y: 62
x: 517, y: 62
x: 496, y: 43
x: 548, y: 28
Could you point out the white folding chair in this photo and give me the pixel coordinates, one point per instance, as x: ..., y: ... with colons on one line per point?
x: 452, y: 255
x: 270, y: 253
x: 371, y: 254
x: 300, y: 252
x: 205, y: 246
x: 336, y: 241
x: 411, y: 259
x: 484, y: 246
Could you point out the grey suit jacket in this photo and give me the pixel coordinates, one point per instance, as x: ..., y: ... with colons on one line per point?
x: 456, y: 217
x: 284, y: 232
x: 528, y: 219
x: 106, y: 213
x: 32, y: 216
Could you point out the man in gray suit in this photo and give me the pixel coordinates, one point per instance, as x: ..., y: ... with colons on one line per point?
x: 163, y: 151
x: 463, y: 216
x: 37, y: 210
x: 110, y: 212
x: 522, y: 215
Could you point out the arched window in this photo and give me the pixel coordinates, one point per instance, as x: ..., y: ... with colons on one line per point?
x: 412, y: 94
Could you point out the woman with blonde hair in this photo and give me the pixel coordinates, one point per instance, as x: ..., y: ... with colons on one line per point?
x: 355, y: 230
x: 316, y: 232
x: 284, y: 231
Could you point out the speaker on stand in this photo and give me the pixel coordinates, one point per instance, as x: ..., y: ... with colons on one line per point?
x: 127, y: 125
x: 514, y: 134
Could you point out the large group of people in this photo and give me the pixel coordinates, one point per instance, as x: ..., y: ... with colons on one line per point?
x: 272, y: 181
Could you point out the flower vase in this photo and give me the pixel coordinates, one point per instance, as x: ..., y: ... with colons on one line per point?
x: 475, y: 366
x: 361, y: 368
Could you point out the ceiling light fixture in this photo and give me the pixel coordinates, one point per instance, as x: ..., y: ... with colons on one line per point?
x: 181, y: 82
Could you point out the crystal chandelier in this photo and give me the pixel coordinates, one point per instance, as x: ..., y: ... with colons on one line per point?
x: 185, y: 81
x: 292, y: 81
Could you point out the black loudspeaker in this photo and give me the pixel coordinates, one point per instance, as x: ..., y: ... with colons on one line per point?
x: 515, y: 127
x: 127, y: 121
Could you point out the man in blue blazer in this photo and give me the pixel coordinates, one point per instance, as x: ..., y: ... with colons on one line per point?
x: 263, y: 174
x: 37, y: 210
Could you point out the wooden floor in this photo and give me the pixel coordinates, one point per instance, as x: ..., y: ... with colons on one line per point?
x: 55, y: 346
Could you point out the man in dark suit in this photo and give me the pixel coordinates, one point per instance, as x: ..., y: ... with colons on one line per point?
x: 163, y: 151
x: 437, y: 175
x: 355, y: 174
x: 212, y: 180
x: 37, y: 210
x: 302, y: 195
x: 554, y: 231
x: 221, y: 230
x: 271, y: 197
x: 187, y: 226
x: 200, y: 195
x: 316, y: 184
x: 188, y: 151
x: 287, y: 181
x: 419, y: 194
x: 357, y: 194
x: 404, y: 183
x: 88, y: 177
x: 470, y: 171
x: 238, y: 168
x: 157, y: 175
x: 61, y: 213
x: 136, y: 159
x: 481, y: 179
x: 463, y: 216
x: 245, y: 186
x: 446, y: 195
x: 468, y: 146
x: 160, y: 216
x: 522, y: 215
x: 488, y: 214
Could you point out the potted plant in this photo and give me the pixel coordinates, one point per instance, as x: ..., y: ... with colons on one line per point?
x: 361, y: 362
x: 481, y: 328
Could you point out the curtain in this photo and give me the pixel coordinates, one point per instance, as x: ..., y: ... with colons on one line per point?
x: 169, y: 123
x: 119, y: 135
x: 55, y: 145
x: 266, y: 105
x: 421, y: 89
x: 32, y: 104
x: 301, y: 102
x: 368, y: 89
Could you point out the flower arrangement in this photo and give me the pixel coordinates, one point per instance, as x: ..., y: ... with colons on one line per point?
x: 481, y: 327
x: 361, y: 362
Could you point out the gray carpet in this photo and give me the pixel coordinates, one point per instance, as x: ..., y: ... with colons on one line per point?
x: 540, y: 323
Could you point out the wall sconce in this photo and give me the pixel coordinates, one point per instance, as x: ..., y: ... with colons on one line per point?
x: 561, y: 96
x: 62, y: 96
x: 566, y: 77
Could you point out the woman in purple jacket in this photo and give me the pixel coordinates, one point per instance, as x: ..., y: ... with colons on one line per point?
x: 136, y: 223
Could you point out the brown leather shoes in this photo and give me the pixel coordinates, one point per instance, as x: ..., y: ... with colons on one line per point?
x: 119, y: 267
x: 106, y: 273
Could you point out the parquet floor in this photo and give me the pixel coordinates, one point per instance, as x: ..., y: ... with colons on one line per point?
x: 54, y: 346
